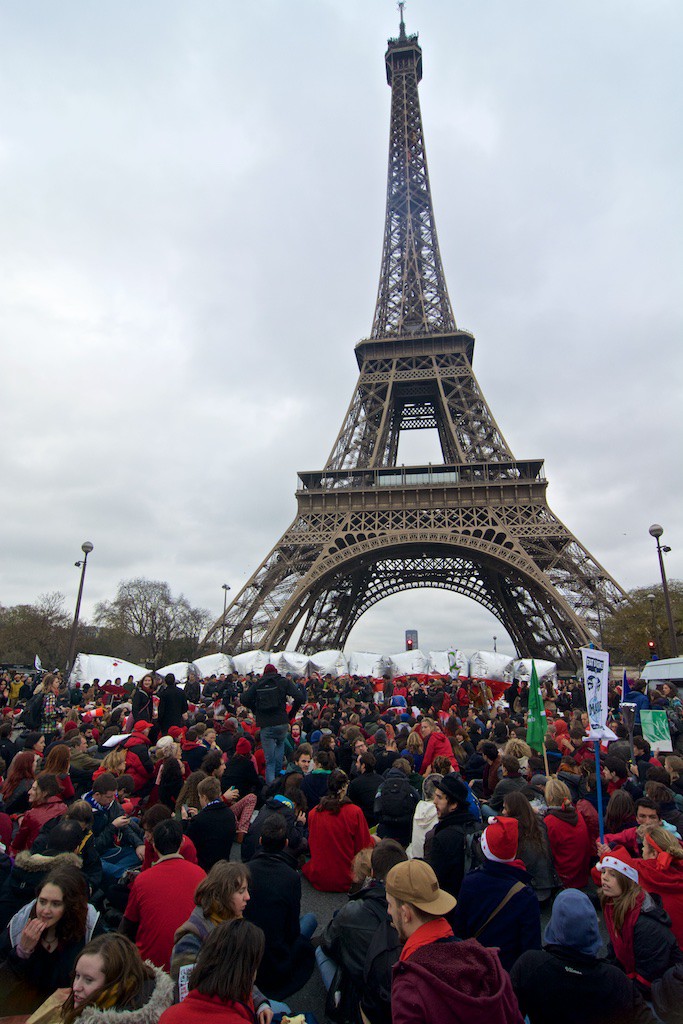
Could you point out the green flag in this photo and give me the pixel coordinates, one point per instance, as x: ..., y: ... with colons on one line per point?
x: 537, y: 723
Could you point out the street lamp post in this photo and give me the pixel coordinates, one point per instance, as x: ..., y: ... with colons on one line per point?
x: 655, y: 628
x: 225, y: 588
x: 86, y: 548
x: 495, y: 649
x: 656, y: 531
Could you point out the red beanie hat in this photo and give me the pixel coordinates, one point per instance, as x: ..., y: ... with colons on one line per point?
x: 499, y: 841
x: 175, y: 732
x: 243, y: 746
x: 69, y: 726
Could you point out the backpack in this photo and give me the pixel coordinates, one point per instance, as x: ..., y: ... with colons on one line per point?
x: 268, y: 698
x: 33, y: 712
x: 383, y: 952
x: 472, y: 841
x: 396, y: 802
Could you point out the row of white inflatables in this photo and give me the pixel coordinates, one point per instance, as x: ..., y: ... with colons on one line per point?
x: 478, y: 665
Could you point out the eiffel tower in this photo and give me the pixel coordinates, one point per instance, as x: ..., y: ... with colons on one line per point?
x: 477, y: 524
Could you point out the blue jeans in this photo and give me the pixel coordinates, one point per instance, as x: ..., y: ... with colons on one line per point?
x: 326, y: 966
x: 273, y: 742
x: 307, y: 925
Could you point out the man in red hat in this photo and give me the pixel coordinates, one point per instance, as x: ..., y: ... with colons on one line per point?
x: 497, y: 904
x: 437, y: 977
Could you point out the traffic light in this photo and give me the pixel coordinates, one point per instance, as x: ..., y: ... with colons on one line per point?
x: 651, y: 650
x: 411, y: 639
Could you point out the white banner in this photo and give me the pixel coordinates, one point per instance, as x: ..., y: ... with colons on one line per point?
x: 595, y: 680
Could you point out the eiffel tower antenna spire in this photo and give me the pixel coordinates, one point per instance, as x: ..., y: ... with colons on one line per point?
x: 412, y: 297
x: 402, y: 31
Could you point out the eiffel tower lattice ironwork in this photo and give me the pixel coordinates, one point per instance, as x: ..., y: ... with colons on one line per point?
x: 477, y: 524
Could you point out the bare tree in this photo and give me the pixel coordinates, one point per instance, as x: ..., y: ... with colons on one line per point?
x: 150, y: 624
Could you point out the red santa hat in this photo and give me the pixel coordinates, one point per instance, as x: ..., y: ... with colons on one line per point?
x: 499, y: 841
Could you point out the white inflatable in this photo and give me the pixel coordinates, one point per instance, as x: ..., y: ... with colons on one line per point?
x: 182, y: 670
x: 451, y: 663
x: 492, y: 666
x: 252, y: 661
x: 409, y: 663
x: 363, y: 664
x: 332, y: 662
x: 546, y: 670
x: 89, y: 667
x: 291, y: 662
x: 215, y: 664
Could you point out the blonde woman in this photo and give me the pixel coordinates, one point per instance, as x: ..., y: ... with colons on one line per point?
x: 568, y: 835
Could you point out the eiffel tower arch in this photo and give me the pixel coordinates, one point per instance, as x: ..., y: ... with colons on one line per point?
x: 476, y: 524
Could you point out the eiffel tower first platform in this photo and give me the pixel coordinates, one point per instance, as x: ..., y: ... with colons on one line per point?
x: 477, y: 524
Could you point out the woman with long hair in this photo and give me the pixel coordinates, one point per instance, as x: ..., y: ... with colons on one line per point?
x: 112, y: 984
x: 620, y: 812
x: 46, y: 804
x: 337, y: 831
x: 169, y: 773
x: 660, y: 872
x: 534, y: 847
x: 568, y: 835
x: 640, y: 936
x: 416, y: 747
x: 20, y: 777
x: 114, y: 763
x: 58, y: 762
x: 221, y: 984
x: 221, y: 896
x: 188, y: 795
x: 44, y: 939
x: 142, y: 701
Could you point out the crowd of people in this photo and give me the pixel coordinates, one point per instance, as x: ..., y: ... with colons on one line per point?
x: 153, y: 840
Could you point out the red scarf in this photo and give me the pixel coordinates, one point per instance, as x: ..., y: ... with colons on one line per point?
x: 622, y: 943
x: 425, y: 935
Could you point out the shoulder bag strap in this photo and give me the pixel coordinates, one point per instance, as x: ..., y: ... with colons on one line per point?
x: 517, y: 887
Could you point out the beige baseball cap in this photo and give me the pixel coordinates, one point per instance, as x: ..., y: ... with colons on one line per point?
x: 414, y: 882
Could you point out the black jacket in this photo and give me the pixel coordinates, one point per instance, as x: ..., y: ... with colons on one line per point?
x: 213, y: 832
x: 142, y: 705
x: 552, y: 984
x: 172, y: 707
x: 351, y: 940
x: 362, y: 791
x: 654, y: 945
x: 240, y: 773
x: 275, y: 907
x: 278, y: 714
x: 445, y: 849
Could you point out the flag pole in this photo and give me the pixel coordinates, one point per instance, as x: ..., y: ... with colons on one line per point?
x: 545, y: 761
x: 598, y: 782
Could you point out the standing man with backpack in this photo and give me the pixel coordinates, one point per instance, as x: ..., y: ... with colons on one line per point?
x: 395, y: 803
x: 267, y: 697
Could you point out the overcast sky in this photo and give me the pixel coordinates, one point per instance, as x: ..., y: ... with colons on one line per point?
x: 191, y: 212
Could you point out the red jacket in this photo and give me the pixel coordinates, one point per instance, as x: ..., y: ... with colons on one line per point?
x: 334, y: 840
x: 198, y: 1009
x: 451, y: 982
x: 33, y: 821
x: 437, y: 746
x: 138, y: 763
x: 570, y: 847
